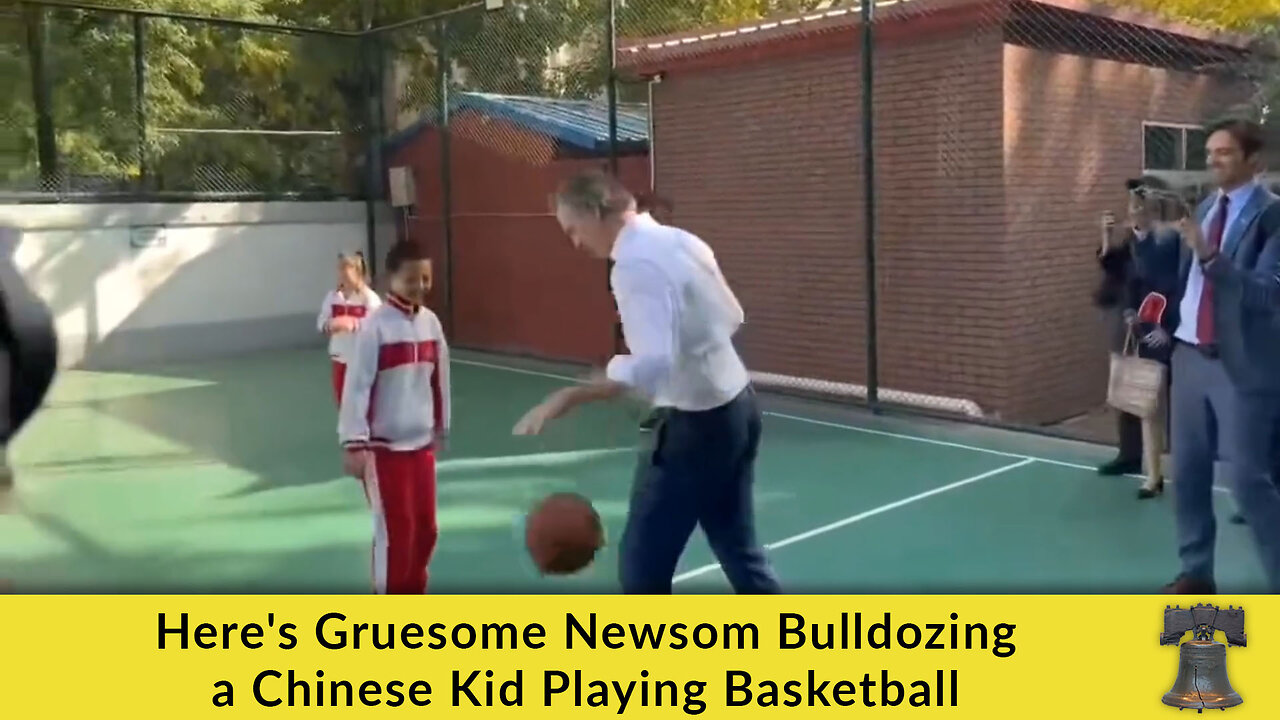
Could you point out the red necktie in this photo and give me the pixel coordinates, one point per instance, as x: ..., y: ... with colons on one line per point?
x: 1204, y: 317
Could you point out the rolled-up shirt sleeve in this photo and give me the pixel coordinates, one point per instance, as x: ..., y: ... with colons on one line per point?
x: 647, y: 304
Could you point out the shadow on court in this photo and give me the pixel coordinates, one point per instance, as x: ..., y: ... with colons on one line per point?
x: 273, y: 416
x: 224, y: 477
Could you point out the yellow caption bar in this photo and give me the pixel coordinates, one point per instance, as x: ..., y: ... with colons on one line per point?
x: 573, y: 656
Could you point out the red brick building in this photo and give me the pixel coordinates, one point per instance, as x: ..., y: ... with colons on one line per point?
x: 1003, y: 129
x: 518, y: 285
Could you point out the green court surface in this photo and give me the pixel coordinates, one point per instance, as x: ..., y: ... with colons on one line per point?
x: 225, y: 477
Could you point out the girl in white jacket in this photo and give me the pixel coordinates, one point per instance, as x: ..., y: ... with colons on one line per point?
x: 344, y: 310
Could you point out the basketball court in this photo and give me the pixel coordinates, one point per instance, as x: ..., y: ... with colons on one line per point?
x: 225, y: 477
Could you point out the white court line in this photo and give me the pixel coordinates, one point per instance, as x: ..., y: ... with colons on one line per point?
x: 546, y: 459
x: 842, y: 426
x: 516, y: 370
x: 864, y: 515
x: 824, y: 423
x: 1023, y: 461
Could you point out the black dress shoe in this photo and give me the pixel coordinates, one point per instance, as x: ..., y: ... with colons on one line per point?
x: 1185, y: 585
x: 1121, y: 466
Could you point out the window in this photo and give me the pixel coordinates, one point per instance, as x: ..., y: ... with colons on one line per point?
x: 1172, y: 147
x: 1196, y: 138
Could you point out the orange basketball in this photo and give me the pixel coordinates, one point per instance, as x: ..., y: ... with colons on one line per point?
x: 563, y: 533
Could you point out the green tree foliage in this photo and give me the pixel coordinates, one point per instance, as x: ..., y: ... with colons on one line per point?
x: 1259, y: 20
x: 201, y: 78
x: 1239, y: 15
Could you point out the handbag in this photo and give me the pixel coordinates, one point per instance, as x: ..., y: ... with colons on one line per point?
x: 1136, y: 383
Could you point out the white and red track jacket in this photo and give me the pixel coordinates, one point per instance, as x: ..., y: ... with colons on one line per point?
x: 397, y: 389
x: 359, y: 306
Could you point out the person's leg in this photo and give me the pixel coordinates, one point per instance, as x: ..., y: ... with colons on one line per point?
x: 1193, y: 455
x: 7, y: 500
x: 339, y: 378
x: 1153, y: 450
x: 726, y: 507
x: 1128, y: 459
x: 1275, y: 455
x: 662, y: 513
x: 1247, y: 436
x: 389, y: 486
x: 1238, y: 517
x: 426, y: 529
x: 1153, y: 436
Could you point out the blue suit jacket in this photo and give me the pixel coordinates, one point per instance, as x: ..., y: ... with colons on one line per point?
x: 1246, y: 281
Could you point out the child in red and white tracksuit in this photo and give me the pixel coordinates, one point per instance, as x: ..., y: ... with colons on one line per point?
x: 343, y: 311
x: 395, y: 414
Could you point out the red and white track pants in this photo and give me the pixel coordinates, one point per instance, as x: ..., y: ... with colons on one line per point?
x: 401, y: 489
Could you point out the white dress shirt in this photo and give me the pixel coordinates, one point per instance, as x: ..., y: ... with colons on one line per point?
x: 1190, y: 308
x: 678, y: 318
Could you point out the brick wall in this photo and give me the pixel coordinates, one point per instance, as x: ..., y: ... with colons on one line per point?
x: 1073, y: 135
x: 519, y: 286
x: 761, y: 161
x: 993, y: 163
x: 764, y: 161
x: 943, y: 324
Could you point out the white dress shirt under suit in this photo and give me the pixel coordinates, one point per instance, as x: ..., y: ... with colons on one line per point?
x: 1190, y: 307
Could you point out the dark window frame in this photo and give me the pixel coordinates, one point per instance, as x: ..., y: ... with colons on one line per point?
x: 1185, y: 159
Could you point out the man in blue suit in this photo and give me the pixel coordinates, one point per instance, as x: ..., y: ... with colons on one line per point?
x: 1226, y: 360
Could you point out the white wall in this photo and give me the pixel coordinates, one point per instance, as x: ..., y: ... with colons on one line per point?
x: 219, y: 278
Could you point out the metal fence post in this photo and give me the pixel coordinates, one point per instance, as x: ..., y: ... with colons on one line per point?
x: 869, y: 199
x: 611, y: 92
x: 373, y: 136
x: 446, y: 162
x: 611, y: 43
x: 37, y: 22
x: 140, y: 96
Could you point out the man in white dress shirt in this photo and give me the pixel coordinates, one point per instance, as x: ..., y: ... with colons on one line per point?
x: 678, y: 318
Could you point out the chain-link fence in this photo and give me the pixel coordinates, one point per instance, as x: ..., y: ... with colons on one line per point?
x: 491, y: 110
x: 111, y: 103
x: 906, y: 197
x: 18, y: 165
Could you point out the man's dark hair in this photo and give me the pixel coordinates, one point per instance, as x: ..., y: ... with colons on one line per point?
x: 405, y: 251
x: 1143, y: 184
x: 1247, y: 134
x: 1156, y: 195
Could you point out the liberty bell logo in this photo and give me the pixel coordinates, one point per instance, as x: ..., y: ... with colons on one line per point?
x: 1202, y: 661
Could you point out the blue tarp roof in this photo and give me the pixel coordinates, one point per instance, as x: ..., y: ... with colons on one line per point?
x: 580, y: 124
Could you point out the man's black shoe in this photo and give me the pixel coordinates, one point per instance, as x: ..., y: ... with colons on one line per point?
x: 1121, y: 466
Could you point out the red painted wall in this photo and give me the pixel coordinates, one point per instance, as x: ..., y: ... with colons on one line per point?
x: 519, y: 287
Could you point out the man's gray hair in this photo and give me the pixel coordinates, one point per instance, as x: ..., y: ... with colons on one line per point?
x: 595, y: 193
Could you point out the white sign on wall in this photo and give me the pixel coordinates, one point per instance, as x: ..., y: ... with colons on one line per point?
x: 401, y: 187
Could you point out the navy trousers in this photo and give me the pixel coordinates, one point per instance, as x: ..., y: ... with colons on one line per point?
x: 699, y: 471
